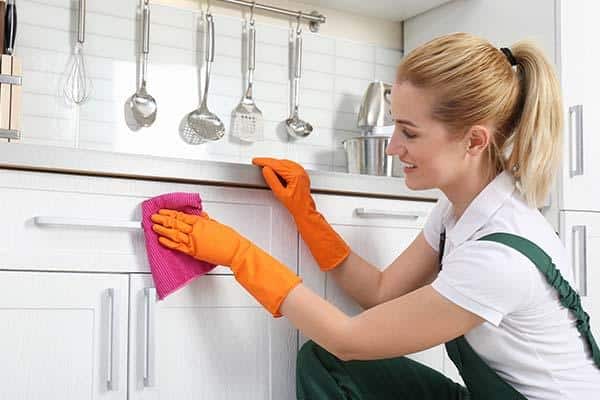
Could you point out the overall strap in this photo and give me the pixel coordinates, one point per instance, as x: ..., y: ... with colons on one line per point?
x: 480, y: 379
x: 567, y: 295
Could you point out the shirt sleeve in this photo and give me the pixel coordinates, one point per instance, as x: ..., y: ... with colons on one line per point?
x: 486, y: 278
x: 433, y: 225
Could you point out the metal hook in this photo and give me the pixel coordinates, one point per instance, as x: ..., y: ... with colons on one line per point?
x: 252, y: 12
x: 298, y: 29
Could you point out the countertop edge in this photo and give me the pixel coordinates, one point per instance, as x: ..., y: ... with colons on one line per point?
x: 128, y: 165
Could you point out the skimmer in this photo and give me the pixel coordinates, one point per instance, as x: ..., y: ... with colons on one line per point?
x: 202, y: 124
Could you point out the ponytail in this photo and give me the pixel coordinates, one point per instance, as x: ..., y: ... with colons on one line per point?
x: 535, y: 147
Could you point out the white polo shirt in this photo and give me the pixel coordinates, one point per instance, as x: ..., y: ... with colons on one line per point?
x: 528, y: 338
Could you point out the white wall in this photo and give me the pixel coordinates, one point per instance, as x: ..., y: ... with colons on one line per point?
x: 336, y: 72
x: 339, y: 24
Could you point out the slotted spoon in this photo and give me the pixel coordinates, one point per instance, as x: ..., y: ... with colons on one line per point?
x: 247, y: 119
x: 203, y: 124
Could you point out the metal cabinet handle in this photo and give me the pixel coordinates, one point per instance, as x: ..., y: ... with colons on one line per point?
x: 368, y: 212
x: 111, y: 382
x: 580, y: 258
x: 576, y: 142
x: 86, y: 222
x: 149, y: 299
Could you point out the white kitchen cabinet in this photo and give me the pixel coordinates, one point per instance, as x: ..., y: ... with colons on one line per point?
x: 580, y: 63
x: 580, y: 233
x: 64, y: 336
x: 376, y: 229
x: 210, y: 340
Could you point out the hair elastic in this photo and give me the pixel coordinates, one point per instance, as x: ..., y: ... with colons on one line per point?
x: 509, y: 55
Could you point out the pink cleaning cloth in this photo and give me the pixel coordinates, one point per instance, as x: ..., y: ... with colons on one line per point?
x: 171, y: 269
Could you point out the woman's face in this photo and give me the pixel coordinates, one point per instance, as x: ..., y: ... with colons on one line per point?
x: 420, y: 141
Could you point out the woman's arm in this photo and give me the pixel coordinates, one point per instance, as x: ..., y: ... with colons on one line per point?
x: 368, y: 286
x: 405, y: 325
x: 416, y: 321
x: 414, y: 268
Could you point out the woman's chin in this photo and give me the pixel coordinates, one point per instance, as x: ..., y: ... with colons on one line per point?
x: 414, y: 184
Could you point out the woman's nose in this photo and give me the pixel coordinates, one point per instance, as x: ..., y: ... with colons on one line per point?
x: 394, y: 146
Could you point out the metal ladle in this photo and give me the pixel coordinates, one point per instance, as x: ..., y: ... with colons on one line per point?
x: 143, y: 106
x: 295, y: 126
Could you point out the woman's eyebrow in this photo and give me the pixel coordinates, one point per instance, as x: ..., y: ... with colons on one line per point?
x: 405, y: 122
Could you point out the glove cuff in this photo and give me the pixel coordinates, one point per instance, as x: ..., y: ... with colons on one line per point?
x: 325, y: 244
x: 264, y: 277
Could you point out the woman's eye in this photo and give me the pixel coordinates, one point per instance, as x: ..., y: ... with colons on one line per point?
x: 408, y: 134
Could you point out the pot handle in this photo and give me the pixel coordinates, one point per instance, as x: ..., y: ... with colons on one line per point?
x: 387, y: 95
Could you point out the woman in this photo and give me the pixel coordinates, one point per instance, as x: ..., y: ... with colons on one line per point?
x: 483, y: 125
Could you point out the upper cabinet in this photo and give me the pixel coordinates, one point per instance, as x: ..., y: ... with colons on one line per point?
x: 500, y: 22
x: 580, y: 62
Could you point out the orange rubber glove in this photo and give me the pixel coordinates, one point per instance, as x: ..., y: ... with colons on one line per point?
x: 327, y: 247
x: 201, y: 237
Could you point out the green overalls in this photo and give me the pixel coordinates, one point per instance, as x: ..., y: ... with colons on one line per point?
x: 320, y: 375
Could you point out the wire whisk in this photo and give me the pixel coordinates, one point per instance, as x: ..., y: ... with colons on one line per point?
x: 78, y: 87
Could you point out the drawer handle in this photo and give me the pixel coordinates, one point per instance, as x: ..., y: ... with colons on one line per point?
x: 111, y: 383
x: 86, y: 222
x: 580, y: 258
x: 369, y: 212
x: 576, y: 142
x: 149, y: 299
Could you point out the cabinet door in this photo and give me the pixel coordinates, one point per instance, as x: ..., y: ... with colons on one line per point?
x: 580, y: 233
x: 376, y: 229
x: 209, y: 340
x: 63, y: 336
x: 580, y: 63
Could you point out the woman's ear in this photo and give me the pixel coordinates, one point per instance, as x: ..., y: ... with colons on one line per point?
x: 478, y: 139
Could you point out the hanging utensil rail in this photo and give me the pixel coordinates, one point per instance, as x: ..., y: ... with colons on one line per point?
x: 314, y: 18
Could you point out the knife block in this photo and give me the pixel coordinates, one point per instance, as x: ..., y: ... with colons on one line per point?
x: 10, y: 97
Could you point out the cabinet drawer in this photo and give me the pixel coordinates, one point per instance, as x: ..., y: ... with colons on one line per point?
x: 376, y: 229
x: 364, y: 211
x: 71, y: 222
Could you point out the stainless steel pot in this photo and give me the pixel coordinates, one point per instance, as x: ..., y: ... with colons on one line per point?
x: 366, y: 155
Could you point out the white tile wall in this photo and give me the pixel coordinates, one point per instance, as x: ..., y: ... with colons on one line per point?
x: 335, y: 74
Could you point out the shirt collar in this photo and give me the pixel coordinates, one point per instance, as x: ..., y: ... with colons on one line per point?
x: 479, y: 211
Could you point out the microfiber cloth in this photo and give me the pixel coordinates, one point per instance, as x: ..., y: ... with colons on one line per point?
x: 171, y: 269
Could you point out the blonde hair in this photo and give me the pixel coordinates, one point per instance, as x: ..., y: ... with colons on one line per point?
x: 475, y: 83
